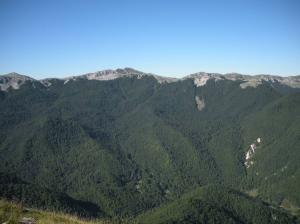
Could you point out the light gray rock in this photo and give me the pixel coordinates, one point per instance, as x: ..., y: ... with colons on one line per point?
x: 200, y: 103
x: 118, y: 73
x: 201, y: 78
x: 13, y: 80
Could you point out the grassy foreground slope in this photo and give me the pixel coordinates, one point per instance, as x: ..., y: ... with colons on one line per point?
x: 12, y: 213
x: 209, y: 204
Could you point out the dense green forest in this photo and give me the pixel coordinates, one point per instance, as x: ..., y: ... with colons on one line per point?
x: 215, y: 204
x: 14, y: 189
x: 134, y: 147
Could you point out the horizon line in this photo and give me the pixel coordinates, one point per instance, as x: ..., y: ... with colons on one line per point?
x: 149, y: 73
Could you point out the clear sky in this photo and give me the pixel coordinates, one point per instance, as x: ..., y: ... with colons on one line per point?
x: 57, y: 38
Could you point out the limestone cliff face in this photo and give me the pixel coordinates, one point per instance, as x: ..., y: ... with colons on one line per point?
x: 200, y: 103
x: 251, y: 152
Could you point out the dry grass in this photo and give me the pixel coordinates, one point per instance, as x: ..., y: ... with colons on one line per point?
x: 252, y: 193
x: 11, y: 213
x: 287, y: 205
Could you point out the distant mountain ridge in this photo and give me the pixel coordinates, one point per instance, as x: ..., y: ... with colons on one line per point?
x: 15, y: 80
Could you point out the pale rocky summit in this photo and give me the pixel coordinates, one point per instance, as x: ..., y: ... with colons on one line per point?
x: 118, y: 73
x: 201, y: 78
x: 109, y: 74
x: 13, y: 80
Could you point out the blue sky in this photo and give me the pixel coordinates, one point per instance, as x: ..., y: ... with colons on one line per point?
x: 58, y: 38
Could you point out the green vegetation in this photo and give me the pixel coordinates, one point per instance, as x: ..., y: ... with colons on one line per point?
x: 13, y: 188
x: 12, y: 213
x: 120, y: 148
x: 215, y: 204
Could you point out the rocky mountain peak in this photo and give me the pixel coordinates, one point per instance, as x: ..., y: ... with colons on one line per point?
x: 201, y: 78
x: 108, y: 74
x: 118, y: 73
x: 13, y: 80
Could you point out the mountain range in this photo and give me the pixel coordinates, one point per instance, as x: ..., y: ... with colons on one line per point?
x: 124, y: 144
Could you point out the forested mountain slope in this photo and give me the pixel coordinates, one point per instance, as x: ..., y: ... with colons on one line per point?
x: 215, y: 204
x: 129, y: 141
